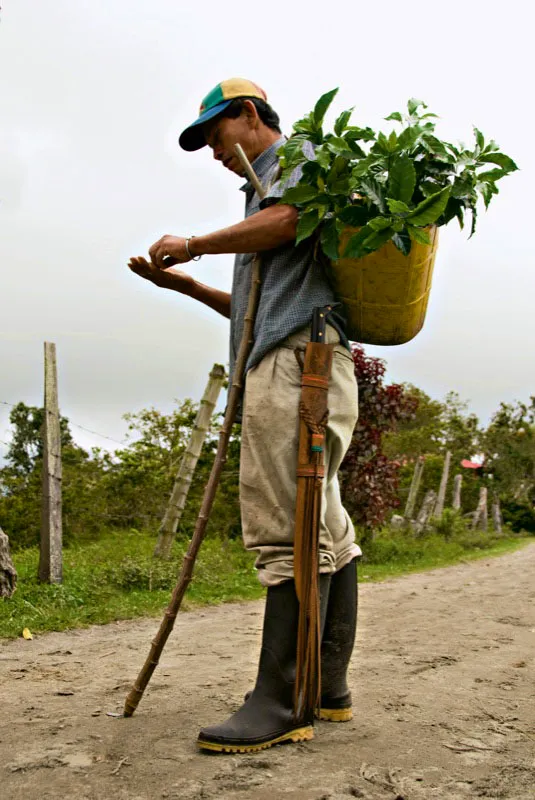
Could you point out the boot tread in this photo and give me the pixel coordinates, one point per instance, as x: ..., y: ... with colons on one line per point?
x: 304, y: 734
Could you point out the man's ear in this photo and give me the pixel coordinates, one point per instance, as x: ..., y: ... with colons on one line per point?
x: 251, y: 114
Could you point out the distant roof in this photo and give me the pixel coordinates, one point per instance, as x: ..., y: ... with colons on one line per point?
x: 470, y: 464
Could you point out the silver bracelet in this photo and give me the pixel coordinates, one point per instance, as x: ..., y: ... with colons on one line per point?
x: 193, y: 258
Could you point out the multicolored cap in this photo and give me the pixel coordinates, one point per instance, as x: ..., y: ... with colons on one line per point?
x: 213, y: 104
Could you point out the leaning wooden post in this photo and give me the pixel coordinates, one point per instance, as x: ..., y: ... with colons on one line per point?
x: 415, y: 485
x: 481, y: 515
x: 425, y: 512
x: 441, y: 497
x: 457, y: 485
x: 8, y: 573
x: 182, y: 484
x: 235, y: 393
x: 51, y: 557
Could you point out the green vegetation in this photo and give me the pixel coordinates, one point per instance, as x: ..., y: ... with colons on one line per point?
x: 113, y: 503
x: 116, y: 578
x: 392, y: 190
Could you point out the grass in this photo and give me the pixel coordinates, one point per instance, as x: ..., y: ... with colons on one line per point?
x: 115, y: 577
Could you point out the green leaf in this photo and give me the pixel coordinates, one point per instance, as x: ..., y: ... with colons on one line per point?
x: 341, y: 123
x: 430, y: 209
x: 380, y: 223
x: 385, y: 145
x: 488, y: 190
x: 311, y: 171
x: 372, y: 189
x: 397, y: 206
x: 435, y: 146
x: 409, y: 137
x: 323, y: 157
x: 429, y: 187
x: 353, y: 248
x: 338, y: 145
x: 395, y: 116
x: 307, y: 224
x: 419, y: 235
x: 321, y: 107
x: 330, y: 240
x: 500, y: 159
x: 492, y: 175
x: 474, y: 220
x: 299, y: 194
x: 402, y: 240
x: 413, y: 105
x: 402, y: 178
x: 480, y: 139
x: 364, y: 166
x: 359, y: 134
x: 341, y: 186
x: 378, y: 239
x: 354, y: 216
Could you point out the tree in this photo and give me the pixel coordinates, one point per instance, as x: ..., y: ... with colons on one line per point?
x: 369, y: 477
x: 421, y: 433
x: 26, y: 446
x: 509, y: 446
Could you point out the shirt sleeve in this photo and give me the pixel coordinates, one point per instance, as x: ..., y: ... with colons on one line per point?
x: 278, y: 189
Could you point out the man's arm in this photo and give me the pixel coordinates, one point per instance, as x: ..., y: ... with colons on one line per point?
x: 265, y: 230
x: 179, y: 281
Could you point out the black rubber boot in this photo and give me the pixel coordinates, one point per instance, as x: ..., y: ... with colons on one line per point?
x: 266, y: 718
x: 337, y: 644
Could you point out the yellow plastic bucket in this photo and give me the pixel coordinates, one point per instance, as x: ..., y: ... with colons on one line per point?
x: 385, y: 294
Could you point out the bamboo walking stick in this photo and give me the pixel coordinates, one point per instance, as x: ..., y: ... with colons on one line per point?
x: 186, y: 573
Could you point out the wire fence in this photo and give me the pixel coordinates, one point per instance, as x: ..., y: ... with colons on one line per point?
x: 76, y: 425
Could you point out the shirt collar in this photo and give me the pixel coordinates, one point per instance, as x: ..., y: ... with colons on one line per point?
x: 263, y: 163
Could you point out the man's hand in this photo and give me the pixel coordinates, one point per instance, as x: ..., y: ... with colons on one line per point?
x: 169, y: 247
x: 166, y: 278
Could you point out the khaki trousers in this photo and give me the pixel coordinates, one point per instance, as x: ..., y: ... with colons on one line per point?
x: 268, y: 463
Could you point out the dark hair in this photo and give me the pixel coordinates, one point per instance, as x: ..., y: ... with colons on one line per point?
x: 269, y: 117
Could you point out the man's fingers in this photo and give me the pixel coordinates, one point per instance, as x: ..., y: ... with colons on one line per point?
x: 140, y: 266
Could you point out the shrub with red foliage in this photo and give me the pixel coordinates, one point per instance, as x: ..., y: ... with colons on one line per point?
x: 369, y: 478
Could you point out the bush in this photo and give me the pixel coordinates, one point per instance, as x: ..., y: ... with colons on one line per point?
x: 520, y: 517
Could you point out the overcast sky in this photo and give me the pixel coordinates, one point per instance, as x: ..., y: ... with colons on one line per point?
x: 92, y: 97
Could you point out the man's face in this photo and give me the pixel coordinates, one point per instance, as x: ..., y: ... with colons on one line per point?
x: 221, y: 136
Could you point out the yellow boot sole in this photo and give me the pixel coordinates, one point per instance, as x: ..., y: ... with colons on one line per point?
x: 297, y: 735
x: 335, y: 714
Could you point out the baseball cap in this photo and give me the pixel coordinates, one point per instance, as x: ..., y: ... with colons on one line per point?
x: 192, y: 138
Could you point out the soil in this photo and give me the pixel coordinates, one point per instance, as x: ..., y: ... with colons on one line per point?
x: 442, y: 676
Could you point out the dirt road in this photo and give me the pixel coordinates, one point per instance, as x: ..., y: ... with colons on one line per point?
x: 443, y: 679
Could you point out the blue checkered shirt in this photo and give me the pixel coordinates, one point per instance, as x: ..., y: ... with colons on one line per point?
x: 293, y: 282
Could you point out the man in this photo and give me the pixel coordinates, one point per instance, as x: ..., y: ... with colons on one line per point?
x: 293, y: 284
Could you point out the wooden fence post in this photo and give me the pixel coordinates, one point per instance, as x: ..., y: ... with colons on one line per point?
x: 457, y: 485
x: 8, y: 573
x: 496, y: 515
x: 425, y: 511
x: 481, y: 515
x: 51, y: 556
x: 441, y: 497
x: 415, y: 485
x: 182, y: 484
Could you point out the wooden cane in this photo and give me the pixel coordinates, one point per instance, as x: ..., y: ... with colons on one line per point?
x: 186, y: 573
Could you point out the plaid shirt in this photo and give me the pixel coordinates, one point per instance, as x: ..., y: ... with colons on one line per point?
x: 293, y: 283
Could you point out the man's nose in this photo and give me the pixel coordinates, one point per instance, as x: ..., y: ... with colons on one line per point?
x: 218, y: 154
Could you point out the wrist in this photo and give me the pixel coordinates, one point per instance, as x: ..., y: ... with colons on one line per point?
x: 182, y: 282
x: 192, y: 248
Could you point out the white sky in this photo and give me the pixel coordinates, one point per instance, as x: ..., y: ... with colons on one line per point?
x: 92, y: 97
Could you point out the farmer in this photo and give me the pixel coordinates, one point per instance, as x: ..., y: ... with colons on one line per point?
x: 293, y: 284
